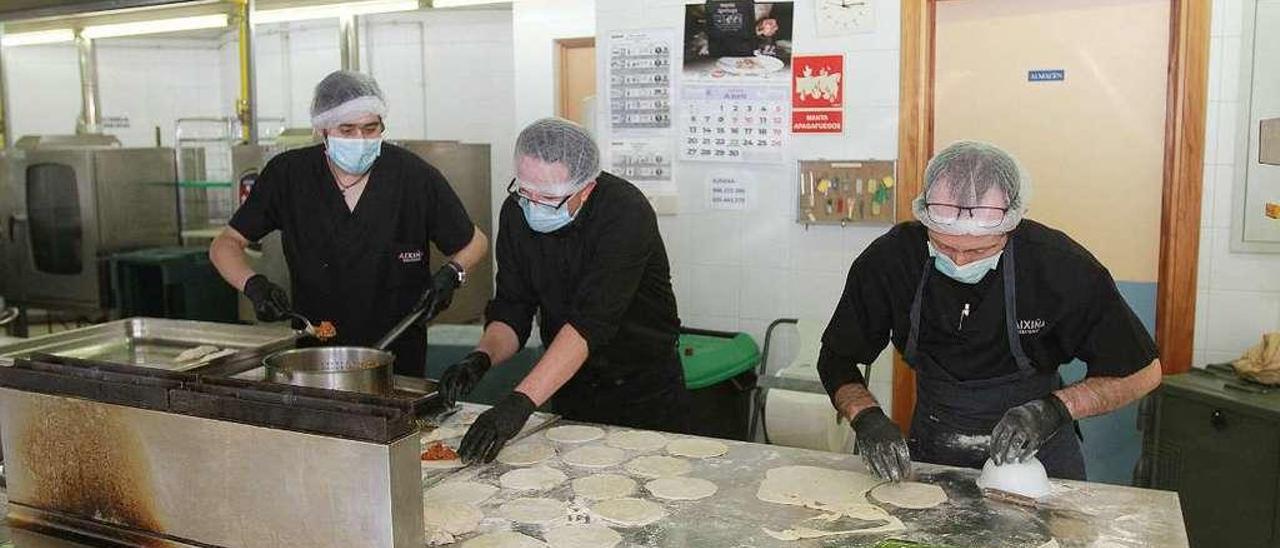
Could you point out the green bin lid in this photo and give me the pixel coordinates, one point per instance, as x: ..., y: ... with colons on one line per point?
x: 711, y: 357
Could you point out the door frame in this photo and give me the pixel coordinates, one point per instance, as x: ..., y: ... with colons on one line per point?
x: 562, y: 45
x: 1185, y: 109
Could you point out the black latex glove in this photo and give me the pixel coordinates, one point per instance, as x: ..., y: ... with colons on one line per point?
x: 881, y: 445
x: 1025, y: 428
x: 462, y: 377
x: 270, y: 302
x: 440, y: 294
x: 494, y: 427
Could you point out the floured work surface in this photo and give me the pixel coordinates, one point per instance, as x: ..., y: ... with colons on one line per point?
x: 1082, y: 514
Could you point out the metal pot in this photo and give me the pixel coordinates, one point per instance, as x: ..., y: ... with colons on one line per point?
x: 351, y: 368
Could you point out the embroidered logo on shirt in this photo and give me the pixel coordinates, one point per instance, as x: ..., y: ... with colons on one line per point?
x: 1030, y: 327
x: 407, y: 257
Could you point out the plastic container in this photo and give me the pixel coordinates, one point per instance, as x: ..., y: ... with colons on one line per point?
x: 719, y: 371
x: 171, y: 282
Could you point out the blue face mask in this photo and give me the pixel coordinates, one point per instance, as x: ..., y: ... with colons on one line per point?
x: 545, y: 219
x: 971, y: 273
x: 354, y: 156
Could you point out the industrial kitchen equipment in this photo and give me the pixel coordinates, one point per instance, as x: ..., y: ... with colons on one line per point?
x: 149, y: 457
x: 72, y: 201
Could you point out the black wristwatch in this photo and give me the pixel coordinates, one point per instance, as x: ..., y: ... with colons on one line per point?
x: 462, y: 272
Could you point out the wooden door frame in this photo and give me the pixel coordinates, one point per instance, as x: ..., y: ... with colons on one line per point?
x: 1186, y: 99
x: 563, y: 44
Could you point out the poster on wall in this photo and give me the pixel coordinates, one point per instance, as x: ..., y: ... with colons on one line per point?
x: 644, y: 162
x: 739, y: 41
x: 733, y: 123
x: 641, y: 70
x: 817, y: 94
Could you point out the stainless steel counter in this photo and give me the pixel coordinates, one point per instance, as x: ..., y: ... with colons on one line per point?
x: 153, y: 342
x: 1082, y: 514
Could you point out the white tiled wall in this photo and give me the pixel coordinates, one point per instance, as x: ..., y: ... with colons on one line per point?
x: 151, y: 82
x: 1239, y: 293
x: 739, y: 271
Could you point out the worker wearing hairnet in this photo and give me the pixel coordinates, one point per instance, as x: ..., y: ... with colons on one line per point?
x: 984, y: 305
x: 356, y: 215
x: 580, y: 249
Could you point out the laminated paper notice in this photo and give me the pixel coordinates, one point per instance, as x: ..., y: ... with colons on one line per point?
x: 646, y: 163
x: 640, y: 74
x: 728, y: 191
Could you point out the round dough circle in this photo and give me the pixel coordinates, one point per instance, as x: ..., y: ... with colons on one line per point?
x: 574, y: 434
x: 526, y: 454
x: 697, y: 448
x: 449, y: 464
x: 503, y: 539
x: 595, y: 456
x: 534, y: 510
x: 538, y: 478
x: 909, y: 494
x: 461, y: 492
x: 629, y: 512
x: 604, y: 486
x: 636, y: 440
x: 444, y: 433
x: 681, y: 488
x: 454, y: 518
x: 583, y: 536
x: 658, y: 466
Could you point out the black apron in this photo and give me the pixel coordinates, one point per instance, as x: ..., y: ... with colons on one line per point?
x: 952, y: 416
x: 368, y: 273
x: 653, y: 401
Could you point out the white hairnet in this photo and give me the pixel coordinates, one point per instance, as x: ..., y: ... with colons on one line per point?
x: 343, y: 96
x: 969, y: 169
x: 556, y: 140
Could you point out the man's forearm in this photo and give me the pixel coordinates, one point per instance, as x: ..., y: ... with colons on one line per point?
x: 227, y: 255
x: 499, y: 341
x: 560, y: 363
x: 852, y: 399
x: 1098, y: 395
x: 474, y: 251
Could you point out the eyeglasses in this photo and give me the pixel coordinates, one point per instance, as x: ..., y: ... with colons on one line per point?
x: 983, y: 216
x: 354, y: 131
x: 514, y: 189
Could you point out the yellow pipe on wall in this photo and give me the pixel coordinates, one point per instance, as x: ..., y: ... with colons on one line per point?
x: 244, y: 104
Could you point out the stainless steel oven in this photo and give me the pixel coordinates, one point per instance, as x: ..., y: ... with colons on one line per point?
x: 71, y: 207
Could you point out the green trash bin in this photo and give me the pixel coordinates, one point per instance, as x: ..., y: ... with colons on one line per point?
x: 171, y: 282
x: 720, y: 373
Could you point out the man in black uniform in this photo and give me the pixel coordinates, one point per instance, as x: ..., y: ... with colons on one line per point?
x: 984, y: 306
x: 356, y: 216
x: 581, y: 249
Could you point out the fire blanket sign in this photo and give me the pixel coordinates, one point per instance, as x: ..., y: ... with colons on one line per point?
x: 817, y: 94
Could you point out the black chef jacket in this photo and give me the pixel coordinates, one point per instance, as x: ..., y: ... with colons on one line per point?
x: 1067, y: 307
x: 363, y: 269
x: 607, y: 274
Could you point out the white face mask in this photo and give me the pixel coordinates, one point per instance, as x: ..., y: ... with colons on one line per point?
x: 970, y: 273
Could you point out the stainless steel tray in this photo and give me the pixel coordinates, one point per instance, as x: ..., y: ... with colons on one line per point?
x: 154, y: 342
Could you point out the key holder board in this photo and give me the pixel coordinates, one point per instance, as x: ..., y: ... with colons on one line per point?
x: 846, y: 192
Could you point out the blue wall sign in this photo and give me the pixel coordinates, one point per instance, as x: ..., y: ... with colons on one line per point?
x: 1054, y: 75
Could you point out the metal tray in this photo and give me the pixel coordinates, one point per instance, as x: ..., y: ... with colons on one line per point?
x: 154, y: 342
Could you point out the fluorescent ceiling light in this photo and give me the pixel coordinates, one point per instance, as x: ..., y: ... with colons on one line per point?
x: 41, y: 37
x: 462, y: 3
x: 332, y: 11
x: 157, y: 26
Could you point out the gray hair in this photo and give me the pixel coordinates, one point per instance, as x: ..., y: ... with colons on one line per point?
x: 969, y: 169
